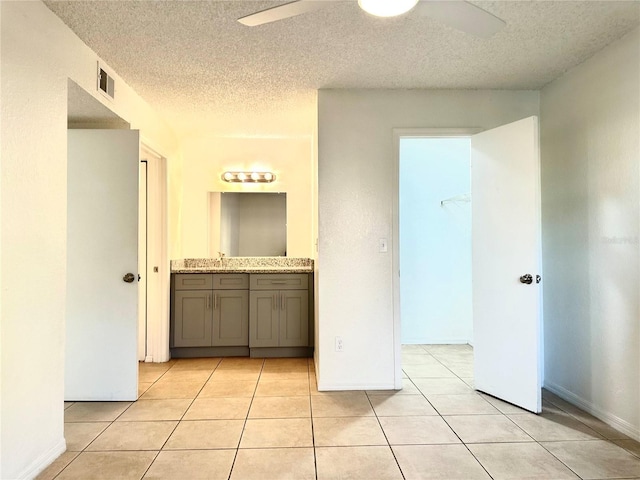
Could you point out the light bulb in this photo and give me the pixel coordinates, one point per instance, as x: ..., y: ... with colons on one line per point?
x: 228, y: 176
x: 242, y: 177
x: 255, y: 176
x: 268, y: 176
x: 387, y: 8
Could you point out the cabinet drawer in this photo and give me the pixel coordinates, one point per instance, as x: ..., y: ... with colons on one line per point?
x: 279, y: 281
x: 193, y: 281
x: 231, y: 281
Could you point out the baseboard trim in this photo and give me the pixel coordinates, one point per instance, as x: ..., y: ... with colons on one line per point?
x: 353, y: 387
x: 281, y: 352
x: 608, y: 418
x: 435, y: 341
x: 195, y: 352
x: 43, y: 461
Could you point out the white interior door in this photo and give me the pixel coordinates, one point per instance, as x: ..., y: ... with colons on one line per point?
x: 505, y: 186
x: 102, y: 247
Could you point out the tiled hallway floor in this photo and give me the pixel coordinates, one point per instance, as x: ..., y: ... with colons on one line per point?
x: 244, y: 419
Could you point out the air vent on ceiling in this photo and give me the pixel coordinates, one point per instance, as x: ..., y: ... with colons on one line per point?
x: 106, y: 84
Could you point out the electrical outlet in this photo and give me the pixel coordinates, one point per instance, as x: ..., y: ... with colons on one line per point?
x: 339, y: 344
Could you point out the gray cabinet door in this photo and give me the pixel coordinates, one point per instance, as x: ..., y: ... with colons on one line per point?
x: 294, y: 318
x: 230, y: 318
x: 264, y: 317
x: 193, y: 317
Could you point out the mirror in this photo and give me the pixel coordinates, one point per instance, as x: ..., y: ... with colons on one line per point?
x: 248, y: 224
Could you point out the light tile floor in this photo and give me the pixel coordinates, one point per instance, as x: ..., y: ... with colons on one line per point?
x: 243, y: 419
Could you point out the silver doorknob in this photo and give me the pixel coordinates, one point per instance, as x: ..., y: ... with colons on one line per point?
x: 528, y: 279
x: 538, y: 278
x: 129, y: 278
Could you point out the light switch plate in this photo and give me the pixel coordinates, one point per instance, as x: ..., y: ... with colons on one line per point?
x: 382, y: 245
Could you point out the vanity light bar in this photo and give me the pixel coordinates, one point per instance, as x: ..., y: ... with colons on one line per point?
x: 248, y: 177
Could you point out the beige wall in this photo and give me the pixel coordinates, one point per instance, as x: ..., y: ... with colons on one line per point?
x: 205, y: 158
x: 590, y: 124
x: 39, y: 55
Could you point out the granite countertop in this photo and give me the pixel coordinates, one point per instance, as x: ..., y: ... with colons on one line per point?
x: 243, y: 265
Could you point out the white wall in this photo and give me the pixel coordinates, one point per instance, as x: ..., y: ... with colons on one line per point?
x: 206, y: 158
x: 435, y: 240
x: 39, y: 55
x: 355, y: 183
x: 590, y: 126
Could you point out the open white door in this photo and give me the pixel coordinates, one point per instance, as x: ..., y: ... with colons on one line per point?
x: 102, y: 261
x: 505, y: 187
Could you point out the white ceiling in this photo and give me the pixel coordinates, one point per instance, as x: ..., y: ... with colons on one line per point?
x: 203, y: 71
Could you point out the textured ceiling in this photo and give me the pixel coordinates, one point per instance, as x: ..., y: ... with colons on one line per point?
x: 203, y: 71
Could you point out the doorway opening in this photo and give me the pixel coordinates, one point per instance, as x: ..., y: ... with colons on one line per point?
x: 435, y: 241
x: 435, y: 261
x: 153, y: 265
x: 505, y: 250
x: 432, y: 303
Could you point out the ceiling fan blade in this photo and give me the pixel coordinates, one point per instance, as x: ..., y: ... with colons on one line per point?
x: 281, y: 12
x: 461, y: 15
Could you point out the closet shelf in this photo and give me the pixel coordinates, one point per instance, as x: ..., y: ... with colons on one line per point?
x: 462, y: 198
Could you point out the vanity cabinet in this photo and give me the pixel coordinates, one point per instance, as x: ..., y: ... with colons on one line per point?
x: 241, y: 314
x: 210, y: 310
x: 279, y: 310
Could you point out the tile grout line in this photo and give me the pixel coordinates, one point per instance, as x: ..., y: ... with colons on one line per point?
x: 560, y: 460
x: 313, y: 432
x: 181, y: 417
x: 540, y: 444
x: 246, y: 419
x: 385, y: 435
x: 450, y: 427
x: 110, y: 424
x: 520, y: 428
x: 603, y: 436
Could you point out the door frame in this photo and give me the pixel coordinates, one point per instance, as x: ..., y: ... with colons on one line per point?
x: 399, y: 133
x: 143, y: 228
x: 157, y: 297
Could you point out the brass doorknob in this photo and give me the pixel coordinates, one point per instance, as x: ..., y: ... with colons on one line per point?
x: 129, y: 278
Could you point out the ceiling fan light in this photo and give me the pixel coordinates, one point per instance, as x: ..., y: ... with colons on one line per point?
x: 387, y: 8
